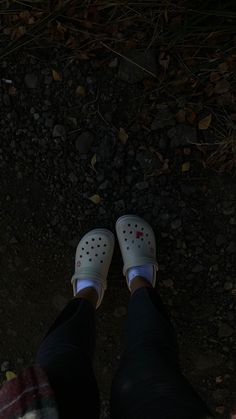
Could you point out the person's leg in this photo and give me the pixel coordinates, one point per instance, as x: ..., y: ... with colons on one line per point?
x: 149, y: 383
x: 67, y: 350
x: 66, y: 355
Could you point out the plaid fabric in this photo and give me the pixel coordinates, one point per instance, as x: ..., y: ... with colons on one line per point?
x: 28, y: 396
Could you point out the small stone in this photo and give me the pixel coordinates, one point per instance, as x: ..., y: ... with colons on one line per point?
x: 36, y: 116
x: 5, y: 366
x: 228, y: 286
x: 168, y: 283
x: 176, y: 224
x: 120, y: 311
x: 84, y: 142
x: 197, y: 268
x: 231, y: 248
x: 104, y: 185
x: 225, y: 330
x: 141, y: 186
x: 119, y: 205
x: 31, y: 81
x: 73, y: 178
x: 58, y: 131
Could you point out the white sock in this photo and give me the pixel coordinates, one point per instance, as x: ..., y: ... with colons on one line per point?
x: 85, y: 283
x: 146, y: 271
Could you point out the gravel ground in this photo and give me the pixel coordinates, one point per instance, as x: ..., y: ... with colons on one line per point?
x: 64, y: 141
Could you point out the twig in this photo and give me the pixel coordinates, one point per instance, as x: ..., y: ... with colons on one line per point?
x: 129, y: 60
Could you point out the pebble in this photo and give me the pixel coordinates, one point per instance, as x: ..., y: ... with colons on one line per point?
x: 197, y: 268
x: 141, y: 186
x: 73, y: 178
x: 5, y: 366
x: 176, y: 224
x: 104, y: 185
x: 31, y: 80
x: 84, y: 142
x: 58, y: 131
x: 225, y: 330
x: 119, y: 205
x: 228, y: 286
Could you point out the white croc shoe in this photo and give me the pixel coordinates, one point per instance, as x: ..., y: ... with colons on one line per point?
x: 93, y: 258
x: 137, y: 243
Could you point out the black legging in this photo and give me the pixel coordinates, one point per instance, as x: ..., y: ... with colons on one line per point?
x: 148, y: 383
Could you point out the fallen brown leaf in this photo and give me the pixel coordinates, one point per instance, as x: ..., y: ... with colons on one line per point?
x: 205, y: 122
x: 123, y: 136
x: 185, y: 167
x: 56, y: 76
x: 80, y: 91
x: 96, y: 199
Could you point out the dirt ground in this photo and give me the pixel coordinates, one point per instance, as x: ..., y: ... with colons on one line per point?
x: 58, y: 149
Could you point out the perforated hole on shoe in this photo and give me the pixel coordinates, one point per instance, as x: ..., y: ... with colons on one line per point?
x: 99, y: 238
x: 90, y: 260
x: 96, y: 255
x: 105, y: 245
x: 82, y: 248
x: 87, y: 253
x: 124, y: 231
x: 93, y: 239
x: 98, y: 245
x: 81, y: 256
x: 101, y: 261
x: 86, y: 242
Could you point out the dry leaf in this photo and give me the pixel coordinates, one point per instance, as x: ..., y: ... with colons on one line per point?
x: 56, y: 76
x: 180, y: 116
x: 205, y: 122
x: 80, y: 91
x: 123, y: 136
x: 93, y: 162
x: 96, y: 199
x: 191, y: 116
x: 10, y: 375
x: 222, y: 86
x: 186, y: 166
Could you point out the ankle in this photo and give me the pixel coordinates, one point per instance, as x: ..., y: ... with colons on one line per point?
x: 139, y: 282
x: 89, y: 294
